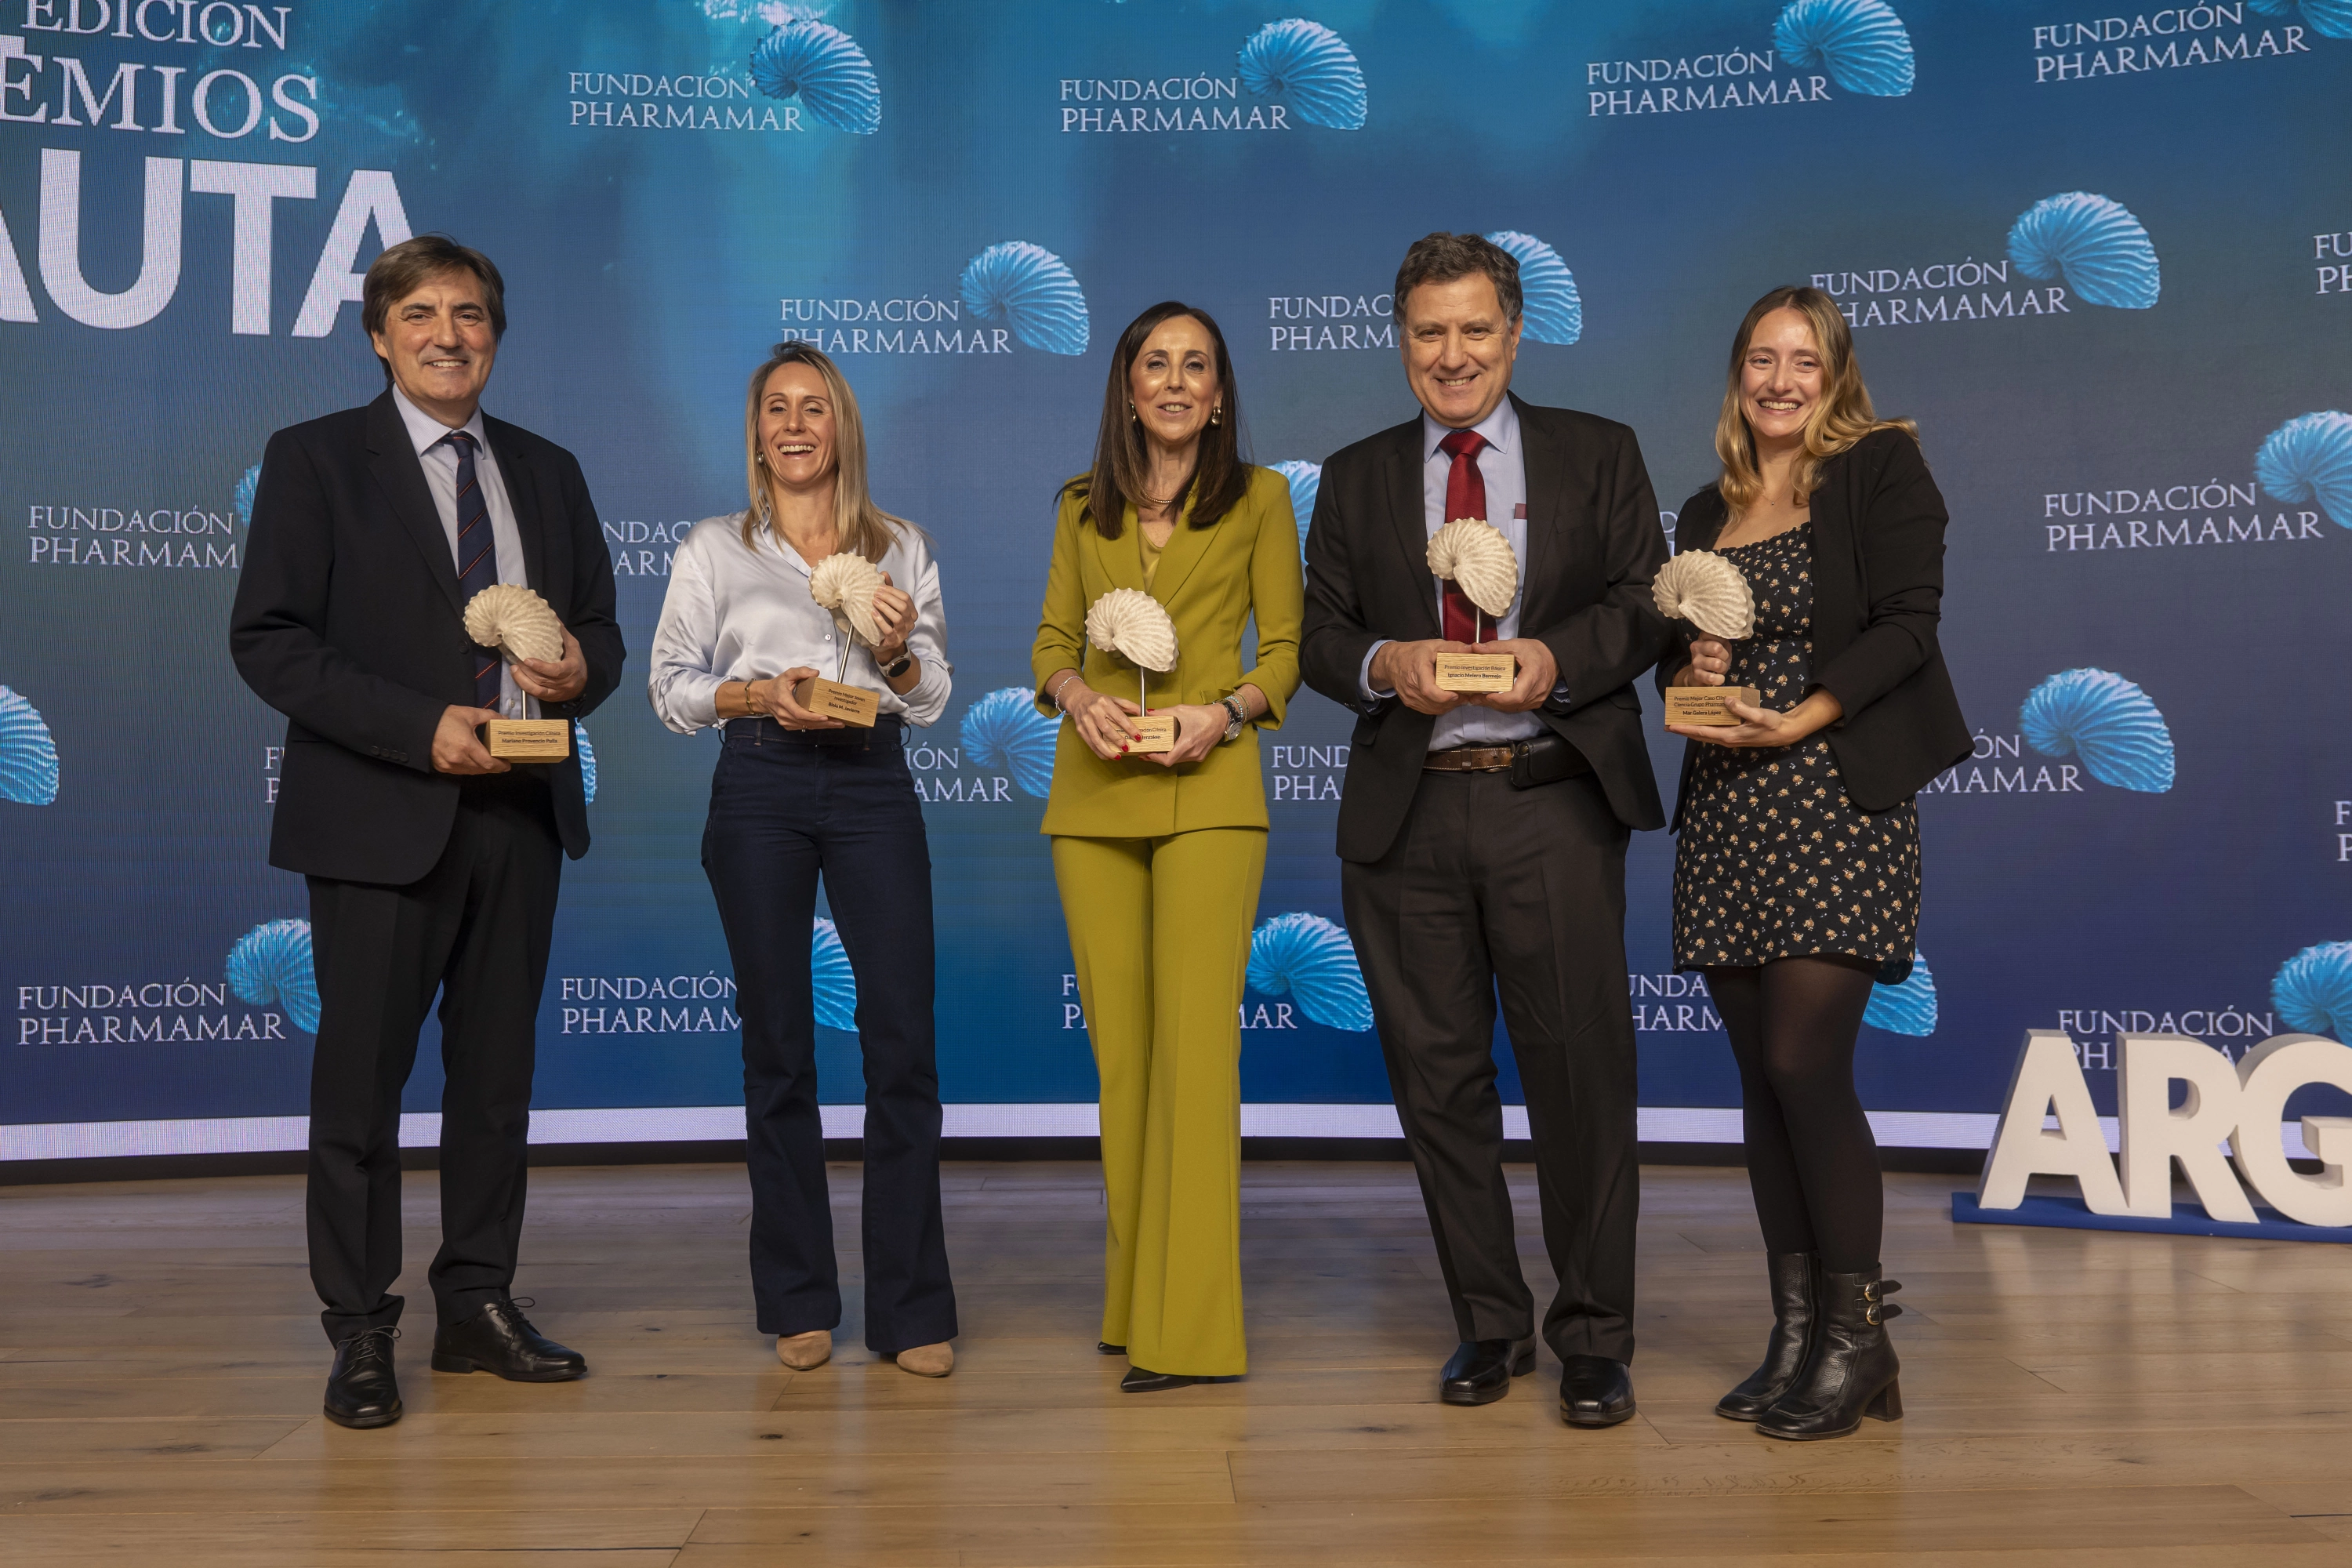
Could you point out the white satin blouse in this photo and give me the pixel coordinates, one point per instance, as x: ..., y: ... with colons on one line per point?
x: 741, y: 613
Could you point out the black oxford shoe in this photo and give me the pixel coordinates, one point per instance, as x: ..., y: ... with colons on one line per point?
x: 362, y: 1391
x: 1482, y: 1370
x: 498, y: 1339
x: 1594, y: 1391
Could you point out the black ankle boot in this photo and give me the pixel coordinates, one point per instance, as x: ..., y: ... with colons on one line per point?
x: 1792, y: 1337
x: 1852, y: 1373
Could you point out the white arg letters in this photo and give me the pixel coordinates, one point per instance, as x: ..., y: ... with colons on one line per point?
x: 2242, y: 1105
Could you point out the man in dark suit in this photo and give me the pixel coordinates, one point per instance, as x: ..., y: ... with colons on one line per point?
x: 1482, y: 837
x: 432, y: 864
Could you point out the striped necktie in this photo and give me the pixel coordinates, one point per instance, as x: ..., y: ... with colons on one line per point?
x: 478, y: 560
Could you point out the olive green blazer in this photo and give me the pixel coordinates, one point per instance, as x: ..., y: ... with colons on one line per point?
x: 1211, y: 581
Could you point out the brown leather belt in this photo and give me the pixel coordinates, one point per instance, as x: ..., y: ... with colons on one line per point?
x: 1468, y: 760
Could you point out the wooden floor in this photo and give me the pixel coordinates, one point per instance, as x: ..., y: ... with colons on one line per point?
x: 2073, y: 1397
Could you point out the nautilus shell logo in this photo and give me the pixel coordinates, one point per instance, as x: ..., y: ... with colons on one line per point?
x: 1304, y: 479
x: 2106, y: 720
x: 1310, y: 959
x: 2309, y: 459
x: 832, y: 985
x: 1862, y: 43
x: 2330, y: 17
x: 247, y: 483
x: 28, y: 756
x: 824, y: 68
x: 1311, y: 66
x: 2099, y: 248
x: 1004, y: 730
x: 2313, y: 990
x: 1031, y: 290
x: 1906, y: 1009
x: 270, y: 964
x: 1550, y: 309
x: 587, y: 760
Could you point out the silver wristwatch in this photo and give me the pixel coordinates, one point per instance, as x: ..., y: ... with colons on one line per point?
x: 1232, y: 705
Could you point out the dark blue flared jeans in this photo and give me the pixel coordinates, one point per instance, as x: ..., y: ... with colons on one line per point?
x: 785, y: 811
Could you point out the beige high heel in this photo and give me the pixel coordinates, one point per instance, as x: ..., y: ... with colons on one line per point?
x: 806, y: 1353
x: 927, y: 1361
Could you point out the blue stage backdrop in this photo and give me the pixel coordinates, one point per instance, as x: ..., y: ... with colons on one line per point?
x: 2102, y: 253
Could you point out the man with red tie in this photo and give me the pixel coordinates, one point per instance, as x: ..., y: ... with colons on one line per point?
x: 432, y: 866
x: 1482, y: 836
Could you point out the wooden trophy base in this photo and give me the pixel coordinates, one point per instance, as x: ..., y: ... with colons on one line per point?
x: 1158, y: 734
x: 831, y: 699
x: 1476, y: 671
x: 1702, y: 706
x: 529, y: 740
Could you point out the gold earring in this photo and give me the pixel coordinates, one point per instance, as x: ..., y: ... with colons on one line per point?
x: 1217, y: 414
x: 1131, y: 414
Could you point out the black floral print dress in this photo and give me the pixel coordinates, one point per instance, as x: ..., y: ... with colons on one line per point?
x: 1774, y: 860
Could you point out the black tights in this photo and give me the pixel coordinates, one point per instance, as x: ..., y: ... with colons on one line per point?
x: 1811, y: 1161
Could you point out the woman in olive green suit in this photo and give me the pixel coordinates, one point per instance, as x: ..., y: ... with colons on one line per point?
x: 1158, y: 856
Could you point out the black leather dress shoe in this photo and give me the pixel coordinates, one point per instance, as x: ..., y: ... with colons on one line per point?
x: 1104, y: 1347
x: 1138, y: 1381
x: 1482, y: 1370
x: 362, y: 1391
x: 500, y: 1339
x: 1594, y: 1391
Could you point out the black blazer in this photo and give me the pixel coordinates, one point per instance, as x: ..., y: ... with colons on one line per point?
x: 1594, y: 543
x: 1878, y: 592
x: 348, y: 621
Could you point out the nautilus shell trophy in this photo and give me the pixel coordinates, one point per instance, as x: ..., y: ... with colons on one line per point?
x: 520, y: 624
x: 1471, y: 554
x: 1135, y: 626
x: 1475, y: 558
x: 1703, y: 588
x: 516, y: 621
x: 845, y: 584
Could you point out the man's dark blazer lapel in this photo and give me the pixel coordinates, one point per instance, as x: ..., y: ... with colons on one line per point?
x: 1544, y: 458
x: 523, y: 494
x: 1400, y: 479
x: 393, y: 462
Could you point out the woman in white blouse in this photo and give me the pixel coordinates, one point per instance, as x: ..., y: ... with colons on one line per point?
x: 797, y: 796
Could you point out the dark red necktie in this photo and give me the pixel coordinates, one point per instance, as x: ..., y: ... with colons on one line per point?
x: 1466, y: 496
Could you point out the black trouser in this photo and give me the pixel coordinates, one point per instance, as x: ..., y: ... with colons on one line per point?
x: 477, y: 929
x: 1489, y: 888
x: 783, y: 810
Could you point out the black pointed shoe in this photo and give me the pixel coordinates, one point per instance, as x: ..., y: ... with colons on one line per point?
x: 1482, y: 1370
x: 1852, y: 1373
x: 498, y: 1339
x: 1138, y: 1381
x: 362, y: 1391
x: 1104, y: 1347
x: 1594, y: 1391
x: 1793, y: 1323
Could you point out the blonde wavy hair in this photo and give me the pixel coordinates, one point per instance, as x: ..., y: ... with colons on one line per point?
x: 860, y: 528
x: 1842, y: 416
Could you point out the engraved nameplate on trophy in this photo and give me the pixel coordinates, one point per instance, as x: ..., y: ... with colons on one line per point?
x: 1703, y: 705
x: 833, y: 700
x: 1473, y: 554
x: 1158, y: 734
x: 1476, y: 671
x: 527, y: 740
